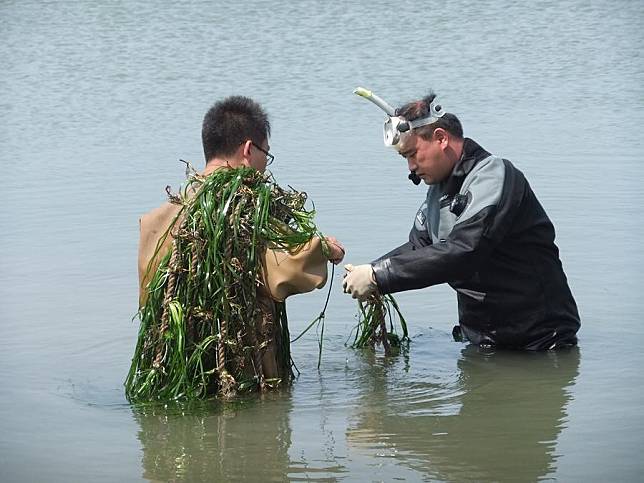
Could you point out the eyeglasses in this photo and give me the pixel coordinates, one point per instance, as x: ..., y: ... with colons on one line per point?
x: 269, y: 157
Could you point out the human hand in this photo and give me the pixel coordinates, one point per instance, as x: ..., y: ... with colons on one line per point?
x: 336, y: 250
x: 359, y: 281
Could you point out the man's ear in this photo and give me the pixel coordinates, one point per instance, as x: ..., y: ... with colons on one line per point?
x: 246, y: 147
x: 441, y: 136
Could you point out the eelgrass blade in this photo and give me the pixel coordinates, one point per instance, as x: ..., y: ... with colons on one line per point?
x: 372, y: 328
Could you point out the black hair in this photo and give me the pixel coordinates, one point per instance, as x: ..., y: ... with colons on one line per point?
x: 420, y: 108
x: 230, y: 122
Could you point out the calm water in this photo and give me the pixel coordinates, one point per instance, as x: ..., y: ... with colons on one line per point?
x: 98, y: 100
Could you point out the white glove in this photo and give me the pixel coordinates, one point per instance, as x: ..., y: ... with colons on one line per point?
x: 359, y: 281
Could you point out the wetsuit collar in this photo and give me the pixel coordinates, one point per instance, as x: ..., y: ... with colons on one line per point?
x: 472, y: 154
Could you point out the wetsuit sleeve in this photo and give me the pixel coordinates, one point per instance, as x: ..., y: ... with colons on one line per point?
x: 418, y: 235
x: 494, y: 193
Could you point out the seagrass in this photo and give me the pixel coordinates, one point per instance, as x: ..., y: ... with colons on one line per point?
x: 203, y: 326
x: 376, y: 324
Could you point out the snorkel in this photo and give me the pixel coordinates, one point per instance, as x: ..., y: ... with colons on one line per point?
x: 397, y: 129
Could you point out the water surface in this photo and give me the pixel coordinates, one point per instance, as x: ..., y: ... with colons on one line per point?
x: 98, y: 102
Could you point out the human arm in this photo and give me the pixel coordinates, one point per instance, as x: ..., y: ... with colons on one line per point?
x: 494, y: 194
x: 335, y: 250
x: 296, y: 271
x: 359, y: 281
x: 300, y: 270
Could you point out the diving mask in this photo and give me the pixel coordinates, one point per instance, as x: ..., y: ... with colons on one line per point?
x: 397, y: 128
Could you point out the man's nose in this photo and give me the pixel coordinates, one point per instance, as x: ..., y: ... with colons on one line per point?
x: 411, y: 164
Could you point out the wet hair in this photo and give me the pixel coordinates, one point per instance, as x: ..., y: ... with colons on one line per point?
x: 420, y: 108
x: 230, y: 122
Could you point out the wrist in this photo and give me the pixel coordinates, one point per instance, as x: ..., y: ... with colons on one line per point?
x: 381, y: 275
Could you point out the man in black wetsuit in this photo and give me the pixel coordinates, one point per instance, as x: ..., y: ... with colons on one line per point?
x: 482, y: 230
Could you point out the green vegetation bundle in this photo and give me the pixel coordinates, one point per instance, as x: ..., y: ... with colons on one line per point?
x: 202, y: 330
x: 374, y: 314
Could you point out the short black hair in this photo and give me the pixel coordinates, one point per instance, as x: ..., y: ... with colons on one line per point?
x: 230, y: 122
x: 420, y: 108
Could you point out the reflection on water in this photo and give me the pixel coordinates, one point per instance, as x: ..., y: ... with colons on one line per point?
x: 216, y: 442
x: 498, y: 419
x: 489, y: 417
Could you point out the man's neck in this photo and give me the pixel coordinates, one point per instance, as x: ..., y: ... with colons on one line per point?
x: 220, y: 163
x: 457, y: 150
